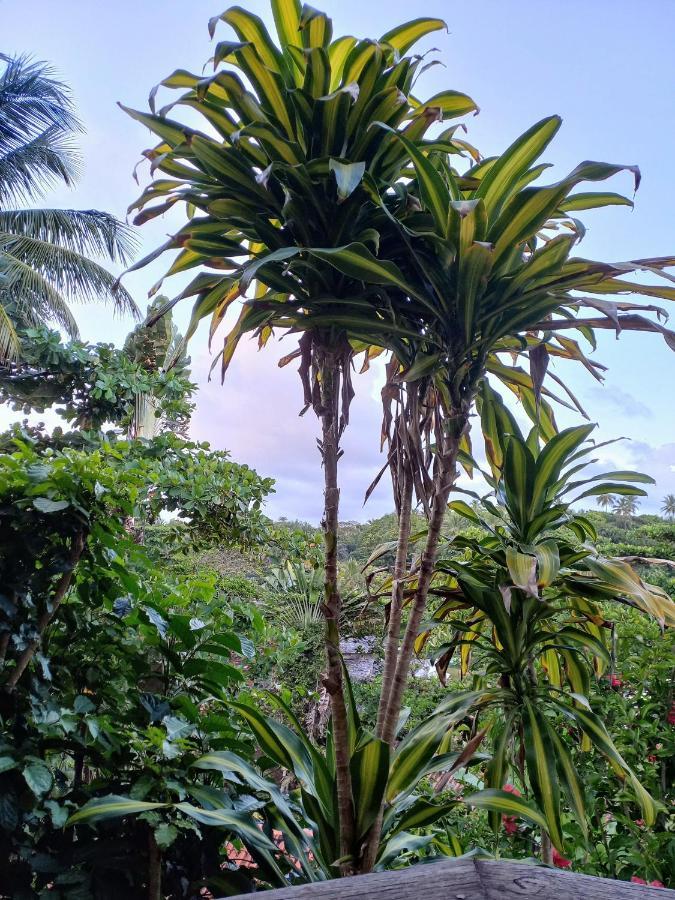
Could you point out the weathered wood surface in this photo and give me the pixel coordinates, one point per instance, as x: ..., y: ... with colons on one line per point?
x: 470, y: 880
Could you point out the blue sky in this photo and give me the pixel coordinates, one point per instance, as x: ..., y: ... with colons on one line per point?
x: 605, y: 66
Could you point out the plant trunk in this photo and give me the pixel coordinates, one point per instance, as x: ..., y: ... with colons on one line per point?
x: 392, y: 692
x: 154, y: 868
x: 396, y: 607
x: 333, y: 681
x: 546, y: 849
x: 444, y: 480
x: 49, y: 612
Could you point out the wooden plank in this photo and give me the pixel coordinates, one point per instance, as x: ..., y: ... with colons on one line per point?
x: 464, y: 879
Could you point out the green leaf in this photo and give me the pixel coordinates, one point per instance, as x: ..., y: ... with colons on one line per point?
x: 507, y: 804
x: 423, y: 813
x: 369, y: 768
x: 44, y: 504
x: 111, y: 807
x: 403, y: 37
x: 358, y: 262
x: 502, y: 177
x: 287, y: 20
x: 38, y: 778
x: 542, y: 770
x: 451, y: 104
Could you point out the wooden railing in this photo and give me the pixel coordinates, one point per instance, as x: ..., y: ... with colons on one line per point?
x: 470, y: 880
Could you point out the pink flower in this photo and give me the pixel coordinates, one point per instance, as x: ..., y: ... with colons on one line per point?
x: 655, y: 883
x: 510, y: 789
x: 671, y: 715
x: 635, y: 880
x: 640, y: 822
x: 559, y: 861
x: 615, y: 681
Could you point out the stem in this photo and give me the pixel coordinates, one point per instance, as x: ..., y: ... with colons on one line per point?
x: 443, y: 482
x: 396, y: 608
x: 154, y: 868
x: 333, y: 681
x: 48, y: 614
x: 546, y: 848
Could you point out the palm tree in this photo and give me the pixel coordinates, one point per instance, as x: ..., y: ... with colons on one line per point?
x: 668, y: 506
x: 626, y: 507
x: 606, y: 501
x: 46, y: 254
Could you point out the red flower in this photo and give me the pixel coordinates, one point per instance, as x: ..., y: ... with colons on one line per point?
x: 651, y: 758
x: 559, y: 861
x: 671, y: 715
x: 510, y: 824
x: 615, y: 681
x: 655, y: 883
x: 636, y: 880
x: 510, y: 789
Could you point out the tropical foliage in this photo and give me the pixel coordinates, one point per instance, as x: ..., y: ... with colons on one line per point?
x: 180, y: 713
x: 46, y: 254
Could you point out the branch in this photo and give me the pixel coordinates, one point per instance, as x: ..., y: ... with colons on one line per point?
x: 47, y: 616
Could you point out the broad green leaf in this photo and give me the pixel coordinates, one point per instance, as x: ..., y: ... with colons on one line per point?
x: 369, y: 767
x: 111, y: 807
x: 403, y: 37
x: 38, y: 778
x: 423, y: 813
x: 542, y: 769
x: 451, y: 104
x: 358, y: 262
x: 287, y: 20
x: 501, y: 178
x: 506, y: 804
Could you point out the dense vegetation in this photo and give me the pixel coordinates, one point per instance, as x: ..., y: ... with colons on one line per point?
x: 195, y: 698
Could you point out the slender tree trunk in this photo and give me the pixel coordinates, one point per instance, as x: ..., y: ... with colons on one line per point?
x: 154, y: 867
x: 395, y: 611
x: 444, y: 481
x: 392, y: 693
x: 333, y: 681
x: 48, y: 614
x: 546, y: 848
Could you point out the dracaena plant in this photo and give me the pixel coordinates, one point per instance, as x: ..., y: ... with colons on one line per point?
x: 290, y: 167
x: 473, y: 257
x: 523, y: 600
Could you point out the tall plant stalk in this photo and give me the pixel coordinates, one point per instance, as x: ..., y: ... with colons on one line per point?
x: 444, y: 480
x: 329, y: 380
x: 396, y: 606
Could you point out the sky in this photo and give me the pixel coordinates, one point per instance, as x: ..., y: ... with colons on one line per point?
x: 605, y: 66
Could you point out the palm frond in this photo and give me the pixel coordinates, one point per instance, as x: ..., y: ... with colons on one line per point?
x: 32, y: 100
x: 89, y: 232
x: 29, y: 298
x: 29, y: 169
x: 24, y: 259
x: 10, y: 345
